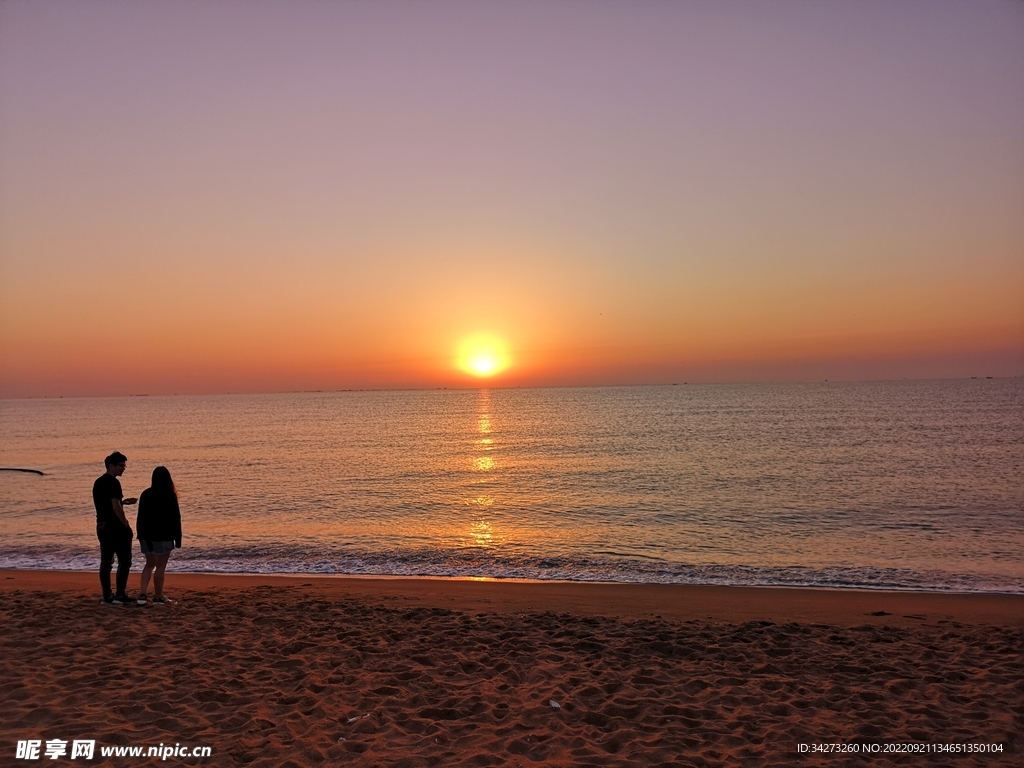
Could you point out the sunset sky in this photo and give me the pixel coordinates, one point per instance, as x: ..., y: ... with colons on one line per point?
x: 267, y: 196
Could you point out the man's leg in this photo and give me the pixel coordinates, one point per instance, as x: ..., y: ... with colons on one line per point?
x: 106, y: 561
x: 124, y: 561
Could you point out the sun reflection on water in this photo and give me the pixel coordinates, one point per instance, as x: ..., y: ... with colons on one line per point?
x: 483, y: 425
x: 480, y: 532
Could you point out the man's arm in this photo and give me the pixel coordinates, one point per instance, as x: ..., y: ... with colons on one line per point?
x: 119, y: 511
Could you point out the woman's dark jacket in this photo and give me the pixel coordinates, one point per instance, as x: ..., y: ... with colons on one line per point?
x: 159, y: 518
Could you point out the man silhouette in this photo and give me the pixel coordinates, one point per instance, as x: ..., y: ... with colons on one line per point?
x: 112, y: 528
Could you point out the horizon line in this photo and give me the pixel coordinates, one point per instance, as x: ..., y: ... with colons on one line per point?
x: 519, y: 386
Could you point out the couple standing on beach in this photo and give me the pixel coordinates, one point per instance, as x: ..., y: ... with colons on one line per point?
x: 159, y: 530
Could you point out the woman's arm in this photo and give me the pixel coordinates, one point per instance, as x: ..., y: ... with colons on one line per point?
x: 177, y: 525
x: 140, y: 515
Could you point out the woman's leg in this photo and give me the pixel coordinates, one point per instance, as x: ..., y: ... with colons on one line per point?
x: 146, y: 571
x: 158, y: 577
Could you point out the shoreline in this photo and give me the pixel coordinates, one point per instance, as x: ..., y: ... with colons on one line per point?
x: 525, y: 580
x: 955, y: 584
x: 679, y: 602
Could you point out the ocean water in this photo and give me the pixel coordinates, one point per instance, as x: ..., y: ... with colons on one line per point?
x: 904, y: 485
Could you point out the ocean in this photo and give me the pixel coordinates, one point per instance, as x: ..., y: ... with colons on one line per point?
x: 915, y: 485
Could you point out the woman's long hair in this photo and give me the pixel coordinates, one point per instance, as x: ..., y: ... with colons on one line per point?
x: 162, y: 483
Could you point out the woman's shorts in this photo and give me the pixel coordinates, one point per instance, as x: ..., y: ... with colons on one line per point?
x: 156, y: 547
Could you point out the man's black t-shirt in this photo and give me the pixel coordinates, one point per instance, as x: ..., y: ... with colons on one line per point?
x: 105, y: 488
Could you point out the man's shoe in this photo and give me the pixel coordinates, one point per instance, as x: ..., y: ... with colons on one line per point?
x: 162, y: 600
x: 107, y: 600
x: 123, y: 600
x: 141, y: 599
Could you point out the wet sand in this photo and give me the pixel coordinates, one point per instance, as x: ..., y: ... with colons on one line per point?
x: 300, y: 671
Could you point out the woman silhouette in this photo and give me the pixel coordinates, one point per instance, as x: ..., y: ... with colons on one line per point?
x: 158, y: 527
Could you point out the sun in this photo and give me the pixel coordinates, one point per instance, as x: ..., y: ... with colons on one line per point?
x: 482, y: 355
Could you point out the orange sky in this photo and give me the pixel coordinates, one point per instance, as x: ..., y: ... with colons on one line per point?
x: 228, y: 198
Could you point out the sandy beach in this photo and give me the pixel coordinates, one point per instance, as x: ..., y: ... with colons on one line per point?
x: 299, y: 671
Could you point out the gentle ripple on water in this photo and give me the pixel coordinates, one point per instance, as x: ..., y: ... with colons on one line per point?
x: 884, y: 484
